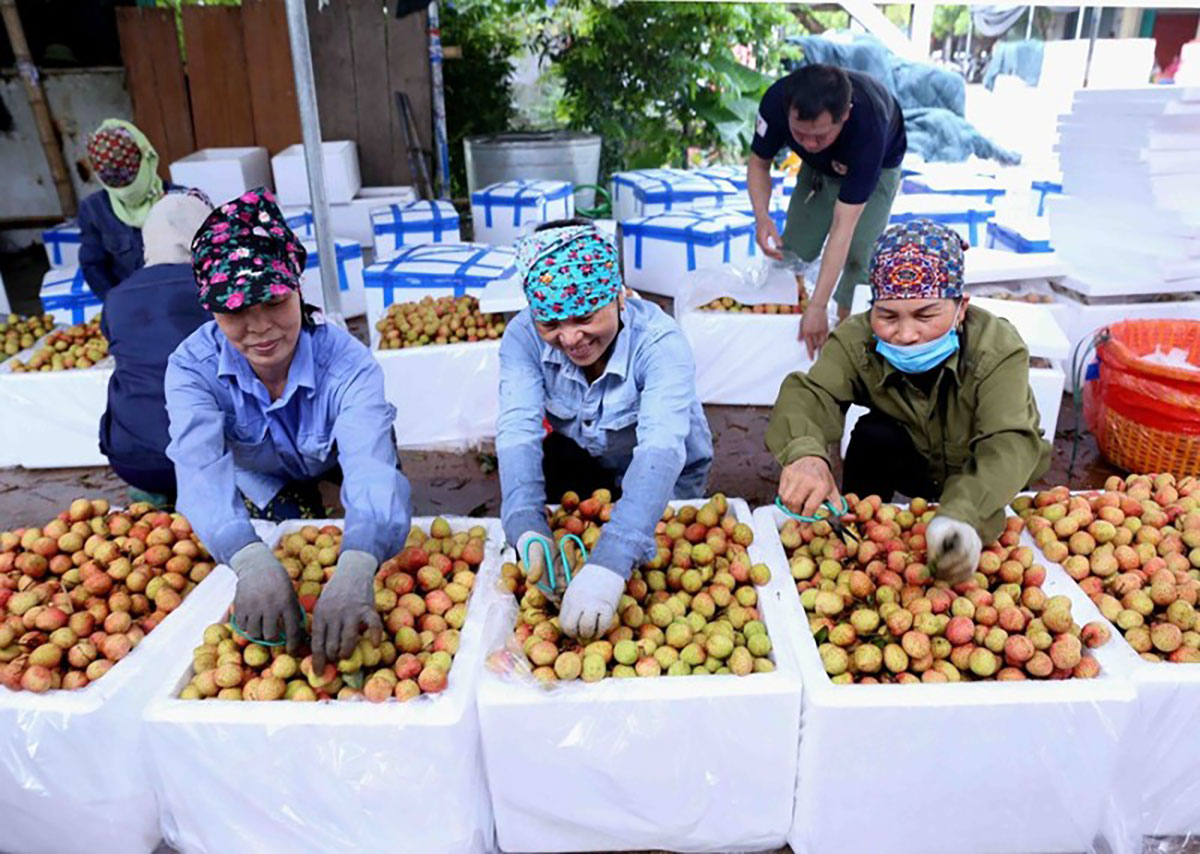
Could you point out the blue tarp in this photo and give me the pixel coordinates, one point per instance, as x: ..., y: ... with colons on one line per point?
x: 1022, y: 59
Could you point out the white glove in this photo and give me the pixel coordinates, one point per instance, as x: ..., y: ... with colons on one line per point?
x: 954, y: 549
x: 591, y: 600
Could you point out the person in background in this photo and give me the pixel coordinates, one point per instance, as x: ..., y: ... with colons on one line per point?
x: 265, y: 402
x: 144, y: 320
x: 849, y: 131
x: 952, y: 418
x: 111, y: 220
x: 616, y: 381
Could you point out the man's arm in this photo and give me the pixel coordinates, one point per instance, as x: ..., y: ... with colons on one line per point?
x: 814, y: 328
x: 758, y: 182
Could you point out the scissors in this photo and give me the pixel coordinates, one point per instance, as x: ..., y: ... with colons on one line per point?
x: 846, y: 532
x: 563, y: 558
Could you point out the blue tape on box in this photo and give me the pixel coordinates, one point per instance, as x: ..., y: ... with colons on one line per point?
x: 915, y: 185
x: 670, y: 187
x: 301, y: 224
x: 434, y: 219
x: 1003, y: 237
x: 66, y: 234
x: 648, y: 229
x: 519, y: 195
x: 971, y: 218
x: 1043, y: 189
x: 457, y: 266
x: 342, y: 253
x: 71, y: 295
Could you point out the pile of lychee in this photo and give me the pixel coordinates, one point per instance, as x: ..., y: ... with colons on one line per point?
x: 691, y: 611
x: 732, y: 305
x: 444, y: 320
x: 79, y: 594
x: 1134, y: 548
x: 79, y: 346
x: 878, y: 615
x: 20, y: 333
x: 421, y: 596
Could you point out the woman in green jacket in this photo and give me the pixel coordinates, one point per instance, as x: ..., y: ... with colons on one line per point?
x: 951, y: 419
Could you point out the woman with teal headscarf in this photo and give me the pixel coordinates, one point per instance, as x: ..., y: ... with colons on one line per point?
x: 111, y: 219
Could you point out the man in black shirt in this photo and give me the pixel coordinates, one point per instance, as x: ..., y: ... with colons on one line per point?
x: 849, y: 131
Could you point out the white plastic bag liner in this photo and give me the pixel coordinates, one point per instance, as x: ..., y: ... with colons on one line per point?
x: 352, y: 220
x: 501, y: 213
x: 681, y: 763
x: 397, y: 226
x: 223, y: 174
x: 52, y: 418
x: 66, y: 295
x: 1024, y: 235
x: 72, y: 771
x: 342, y: 177
x: 349, y: 256
x: 644, y: 192
x: 420, y: 377
x: 986, y: 767
x: 332, y: 776
x: 966, y: 214
x: 62, y: 245
x: 658, y: 251
x: 300, y: 221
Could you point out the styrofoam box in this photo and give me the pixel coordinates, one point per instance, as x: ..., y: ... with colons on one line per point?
x: 645, y: 192
x: 353, y: 219
x: 66, y: 295
x: 223, y: 174
x: 1023, y: 235
x: 342, y: 178
x: 736, y: 175
x: 659, y: 250
x: 349, y: 257
x: 62, y: 245
x: 717, y: 752
x: 300, y: 220
x: 333, y: 776
x: 941, y: 178
x: 52, y: 418
x: 989, y: 266
x: 459, y: 421
x: 1081, y: 320
x: 398, y: 225
x: 4, y: 306
x: 1017, y: 766
x: 503, y: 212
x: 968, y: 215
x: 78, y: 753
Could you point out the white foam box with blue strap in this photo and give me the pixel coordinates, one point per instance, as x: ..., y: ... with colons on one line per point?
x: 736, y: 175
x: 1038, y: 759
x: 1041, y: 190
x: 66, y: 295
x: 718, y: 753
x: 325, y: 777
x: 300, y: 220
x: 353, y: 219
x: 435, y: 270
x: 424, y: 221
x: 644, y: 192
x: 954, y: 180
x: 501, y: 213
x: 62, y: 244
x: 1024, y: 235
x: 968, y: 215
x: 658, y: 251
x: 349, y: 258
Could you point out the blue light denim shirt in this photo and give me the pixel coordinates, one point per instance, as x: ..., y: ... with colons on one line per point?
x: 227, y: 435
x: 641, y: 419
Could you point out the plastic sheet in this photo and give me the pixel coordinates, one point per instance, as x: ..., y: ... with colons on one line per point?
x: 982, y: 767
x: 328, y: 777
x: 503, y: 212
x: 681, y: 763
x: 72, y: 772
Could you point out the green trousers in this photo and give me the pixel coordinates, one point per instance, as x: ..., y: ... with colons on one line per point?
x: 810, y: 216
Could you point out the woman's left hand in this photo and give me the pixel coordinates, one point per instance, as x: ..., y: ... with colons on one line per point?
x: 346, y: 605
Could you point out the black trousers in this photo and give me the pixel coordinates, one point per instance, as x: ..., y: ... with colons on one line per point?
x: 569, y: 468
x: 882, y: 460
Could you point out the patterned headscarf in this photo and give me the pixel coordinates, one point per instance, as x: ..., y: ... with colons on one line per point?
x: 245, y: 254
x: 568, y: 272
x: 918, y: 260
x: 115, y: 156
x: 127, y: 166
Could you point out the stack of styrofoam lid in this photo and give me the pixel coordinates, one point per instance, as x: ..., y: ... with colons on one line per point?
x: 1129, y: 223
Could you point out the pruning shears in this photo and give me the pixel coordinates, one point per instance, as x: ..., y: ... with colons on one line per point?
x: 846, y: 532
x: 549, y: 585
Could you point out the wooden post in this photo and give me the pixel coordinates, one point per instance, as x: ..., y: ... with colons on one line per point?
x: 41, y: 111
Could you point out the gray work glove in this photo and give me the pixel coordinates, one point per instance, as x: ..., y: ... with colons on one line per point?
x: 954, y: 549
x: 346, y: 604
x: 265, y: 601
x: 590, y: 602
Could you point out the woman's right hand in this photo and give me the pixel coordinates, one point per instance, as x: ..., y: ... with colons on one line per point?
x: 266, y: 599
x: 806, y: 484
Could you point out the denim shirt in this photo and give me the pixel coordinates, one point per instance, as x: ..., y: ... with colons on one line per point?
x: 228, y: 436
x: 641, y: 418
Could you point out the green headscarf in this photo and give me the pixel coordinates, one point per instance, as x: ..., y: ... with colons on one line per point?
x: 132, y: 202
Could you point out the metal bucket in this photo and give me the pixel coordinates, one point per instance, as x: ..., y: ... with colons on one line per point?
x: 549, y: 155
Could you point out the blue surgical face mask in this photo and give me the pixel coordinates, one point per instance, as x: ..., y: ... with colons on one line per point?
x: 919, y: 358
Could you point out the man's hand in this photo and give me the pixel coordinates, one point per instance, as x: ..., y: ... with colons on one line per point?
x: 806, y: 484
x: 265, y: 600
x: 768, y: 238
x: 590, y: 602
x: 814, y: 328
x: 954, y: 549
x: 346, y: 604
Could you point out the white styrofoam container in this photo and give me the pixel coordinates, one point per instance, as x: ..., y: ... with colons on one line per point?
x: 1048, y: 386
x: 62, y: 245
x: 966, y: 214
x: 342, y: 178
x: 1023, y: 235
x: 736, y: 175
x: 66, y: 295
x: 1081, y: 320
x: 1033, y: 763
x: 990, y: 266
x: 349, y: 257
x: 681, y: 763
x: 644, y: 192
x: 751, y: 373
x: 395, y: 226
x: 353, y: 219
x: 300, y: 220
x: 1041, y: 191
x: 943, y: 178
x: 223, y: 174
x: 52, y: 418
x: 4, y: 306
x: 333, y: 776
x: 658, y: 251
x: 78, y: 753
x: 503, y: 212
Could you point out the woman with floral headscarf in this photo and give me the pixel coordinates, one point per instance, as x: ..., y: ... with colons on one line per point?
x: 265, y: 402
x: 111, y: 220
x: 616, y: 381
